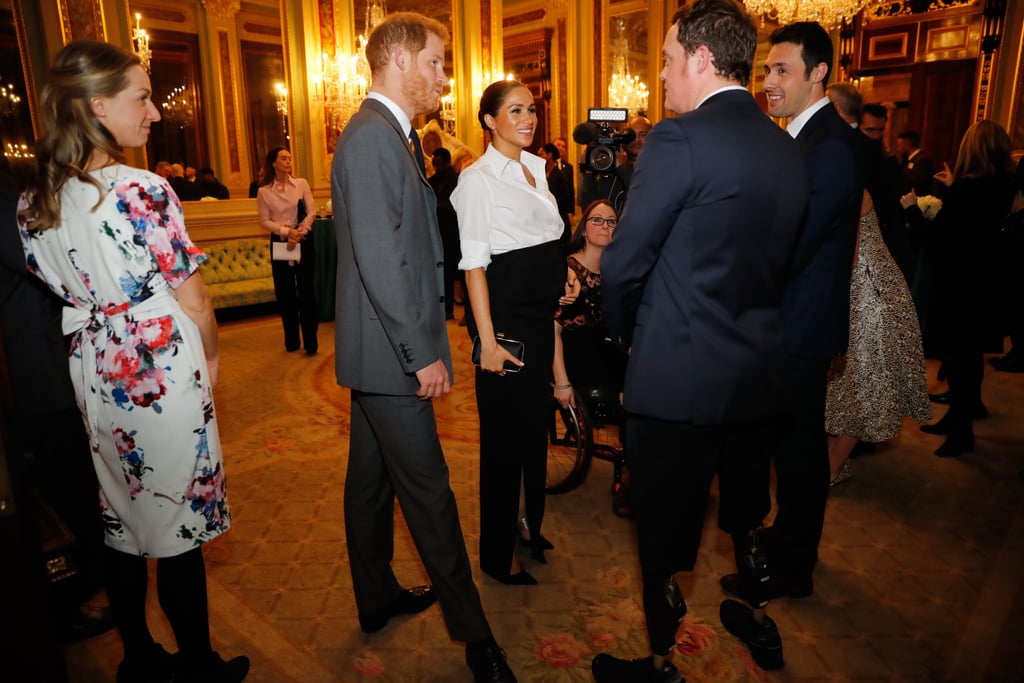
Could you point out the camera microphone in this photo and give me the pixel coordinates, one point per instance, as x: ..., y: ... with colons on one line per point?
x: 585, y: 133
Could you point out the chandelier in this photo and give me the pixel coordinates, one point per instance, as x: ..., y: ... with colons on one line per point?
x: 141, y: 40
x: 625, y: 90
x: 829, y: 13
x: 343, y: 82
x: 10, y: 101
x: 177, y: 107
x: 448, y: 109
x: 281, y: 102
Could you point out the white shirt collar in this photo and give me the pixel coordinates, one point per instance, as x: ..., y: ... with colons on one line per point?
x: 403, y: 120
x: 796, y: 124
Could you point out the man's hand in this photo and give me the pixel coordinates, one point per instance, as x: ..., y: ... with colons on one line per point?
x: 434, y: 381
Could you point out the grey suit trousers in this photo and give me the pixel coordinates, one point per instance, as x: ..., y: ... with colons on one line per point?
x: 395, y: 452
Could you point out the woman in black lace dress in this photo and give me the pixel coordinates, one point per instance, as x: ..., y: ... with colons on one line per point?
x: 582, y: 356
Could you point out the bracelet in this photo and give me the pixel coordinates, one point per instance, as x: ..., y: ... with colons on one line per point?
x: 561, y: 386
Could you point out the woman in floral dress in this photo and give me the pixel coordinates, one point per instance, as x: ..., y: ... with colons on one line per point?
x: 110, y: 240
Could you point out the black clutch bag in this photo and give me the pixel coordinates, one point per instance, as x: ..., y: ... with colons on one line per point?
x: 516, y: 348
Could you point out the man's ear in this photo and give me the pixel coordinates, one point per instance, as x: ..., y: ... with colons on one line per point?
x: 819, y: 72
x: 704, y: 58
x: 400, y: 57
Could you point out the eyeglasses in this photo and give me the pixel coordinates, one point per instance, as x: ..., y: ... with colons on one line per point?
x: 601, y: 220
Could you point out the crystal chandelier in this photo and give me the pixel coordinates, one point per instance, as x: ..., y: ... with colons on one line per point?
x: 448, y: 109
x: 343, y: 82
x: 177, y: 107
x: 829, y: 13
x: 10, y: 101
x: 141, y: 40
x: 625, y: 91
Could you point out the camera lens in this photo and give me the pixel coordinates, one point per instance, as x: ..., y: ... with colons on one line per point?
x: 601, y: 158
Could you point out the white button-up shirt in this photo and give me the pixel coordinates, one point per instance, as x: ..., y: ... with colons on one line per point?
x: 499, y: 211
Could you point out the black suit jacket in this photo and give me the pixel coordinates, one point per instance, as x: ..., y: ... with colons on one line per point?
x: 816, y: 302
x: 694, y: 274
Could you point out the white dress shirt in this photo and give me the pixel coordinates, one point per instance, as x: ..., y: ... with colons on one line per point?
x: 499, y: 211
x: 796, y: 124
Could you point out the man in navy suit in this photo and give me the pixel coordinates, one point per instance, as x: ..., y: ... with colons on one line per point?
x: 692, y: 282
x: 816, y: 302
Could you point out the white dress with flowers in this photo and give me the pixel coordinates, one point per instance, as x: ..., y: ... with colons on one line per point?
x: 136, y: 359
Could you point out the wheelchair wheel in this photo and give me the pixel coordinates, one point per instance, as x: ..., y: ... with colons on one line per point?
x: 568, y: 449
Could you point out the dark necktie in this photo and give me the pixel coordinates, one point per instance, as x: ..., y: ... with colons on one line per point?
x: 415, y: 138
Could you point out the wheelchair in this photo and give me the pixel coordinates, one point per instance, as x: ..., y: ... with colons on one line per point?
x: 575, y: 438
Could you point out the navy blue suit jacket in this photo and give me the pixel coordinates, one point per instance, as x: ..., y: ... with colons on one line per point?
x: 816, y: 302
x: 694, y: 274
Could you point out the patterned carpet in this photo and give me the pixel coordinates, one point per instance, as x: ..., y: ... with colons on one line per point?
x: 921, y: 575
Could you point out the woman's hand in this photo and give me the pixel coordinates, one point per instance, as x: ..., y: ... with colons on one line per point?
x: 294, y: 237
x: 908, y: 200
x: 493, y: 357
x: 572, y: 288
x: 565, y: 395
x: 944, y: 176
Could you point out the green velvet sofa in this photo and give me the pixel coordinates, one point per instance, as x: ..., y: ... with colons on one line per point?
x: 237, y: 272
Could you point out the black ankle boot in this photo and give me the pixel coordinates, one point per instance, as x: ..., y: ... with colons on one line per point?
x: 157, y: 665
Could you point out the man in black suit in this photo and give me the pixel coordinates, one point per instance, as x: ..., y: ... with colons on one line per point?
x: 917, y: 167
x: 443, y: 181
x: 559, y: 187
x: 882, y: 178
x: 47, y: 443
x: 816, y: 302
x: 391, y: 346
x: 692, y: 283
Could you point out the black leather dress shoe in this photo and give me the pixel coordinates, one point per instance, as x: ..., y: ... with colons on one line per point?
x: 762, y: 639
x: 776, y: 588
x: 488, y: 663
x: 410, y: 601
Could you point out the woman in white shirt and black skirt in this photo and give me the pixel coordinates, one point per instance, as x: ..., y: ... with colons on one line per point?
x: 509, y: 229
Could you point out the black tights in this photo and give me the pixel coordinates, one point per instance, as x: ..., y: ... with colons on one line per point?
x: 181, y: 589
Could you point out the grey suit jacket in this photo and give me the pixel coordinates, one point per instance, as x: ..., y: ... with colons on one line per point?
x: 390, y: 317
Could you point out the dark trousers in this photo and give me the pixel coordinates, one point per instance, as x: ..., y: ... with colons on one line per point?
x: 672, y: 465
x: 802, y: 477
x: 965, y: 369
x: 294, y: 288
x: 395, y: 453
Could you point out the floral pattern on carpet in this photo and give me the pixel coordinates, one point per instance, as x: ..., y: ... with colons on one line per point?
x: 610, y: 619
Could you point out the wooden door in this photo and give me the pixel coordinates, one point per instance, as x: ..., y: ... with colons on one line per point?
x: 941, y: 94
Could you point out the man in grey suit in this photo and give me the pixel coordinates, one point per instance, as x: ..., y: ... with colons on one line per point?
x: 392, y: 346
x: 692, y: 283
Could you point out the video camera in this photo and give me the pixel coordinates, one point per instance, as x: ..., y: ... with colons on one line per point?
x: 601, y: 140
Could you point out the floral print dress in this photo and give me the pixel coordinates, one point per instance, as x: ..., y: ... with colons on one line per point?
x: 136, y: 359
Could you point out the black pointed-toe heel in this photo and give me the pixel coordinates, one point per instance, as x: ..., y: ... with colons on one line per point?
x: 520, y: 578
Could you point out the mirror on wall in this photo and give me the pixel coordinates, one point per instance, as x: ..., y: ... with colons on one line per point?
x: 17, y: 140
x: 175, y: 73
x: 263, y: 69
x: 628, y: 75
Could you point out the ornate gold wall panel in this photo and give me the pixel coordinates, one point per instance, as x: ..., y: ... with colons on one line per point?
x: 82, y: 19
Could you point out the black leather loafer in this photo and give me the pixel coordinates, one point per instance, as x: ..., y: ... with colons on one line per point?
x: 410, y: 601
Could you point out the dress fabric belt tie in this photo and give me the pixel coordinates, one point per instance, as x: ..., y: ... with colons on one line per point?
x: 95, y: 328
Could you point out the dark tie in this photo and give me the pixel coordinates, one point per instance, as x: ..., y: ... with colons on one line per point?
x: 415, y: 138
